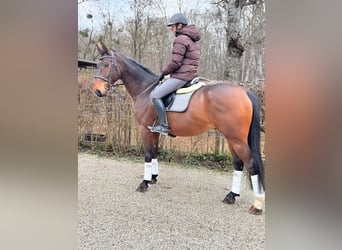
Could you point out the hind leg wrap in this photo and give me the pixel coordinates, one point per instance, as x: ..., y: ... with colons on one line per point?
x: 259, y: 192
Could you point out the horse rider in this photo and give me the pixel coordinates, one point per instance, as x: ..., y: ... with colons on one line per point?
x: 182, y: 67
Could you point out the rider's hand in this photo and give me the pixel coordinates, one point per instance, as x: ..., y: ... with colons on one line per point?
x: 161, y: 77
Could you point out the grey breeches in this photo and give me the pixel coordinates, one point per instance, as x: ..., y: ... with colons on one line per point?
x: 170, y: 85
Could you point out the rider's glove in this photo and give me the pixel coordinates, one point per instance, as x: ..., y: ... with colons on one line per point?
x: 161, y: 77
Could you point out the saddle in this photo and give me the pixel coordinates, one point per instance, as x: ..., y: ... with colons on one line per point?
x: 178, y: 100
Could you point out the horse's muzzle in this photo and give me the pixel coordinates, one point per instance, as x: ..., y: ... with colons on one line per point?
x: 100, y: 87
x: 98, y: 93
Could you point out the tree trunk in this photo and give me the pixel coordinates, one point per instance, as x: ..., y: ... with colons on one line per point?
x: 235, y: 49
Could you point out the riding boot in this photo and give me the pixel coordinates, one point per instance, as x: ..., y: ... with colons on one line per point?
x: 163, y: 126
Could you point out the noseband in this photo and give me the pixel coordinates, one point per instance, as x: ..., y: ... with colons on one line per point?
x: 112, y: 68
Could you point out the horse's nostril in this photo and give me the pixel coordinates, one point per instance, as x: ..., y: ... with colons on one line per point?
x: 98, y: 93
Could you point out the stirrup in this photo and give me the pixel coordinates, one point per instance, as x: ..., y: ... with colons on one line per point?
x: 159, y: 129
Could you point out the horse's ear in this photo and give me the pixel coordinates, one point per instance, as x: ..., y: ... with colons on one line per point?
x: 102, y: 48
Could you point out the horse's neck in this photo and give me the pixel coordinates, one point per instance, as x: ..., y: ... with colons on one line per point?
x: 137, y: 80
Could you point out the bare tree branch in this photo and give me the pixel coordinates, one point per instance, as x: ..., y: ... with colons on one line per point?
x: 82, y: 1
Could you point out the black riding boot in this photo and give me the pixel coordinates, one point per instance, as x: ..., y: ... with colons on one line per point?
x: 163, y: 126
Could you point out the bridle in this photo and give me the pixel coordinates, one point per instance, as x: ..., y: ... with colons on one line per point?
x: 113, y: 67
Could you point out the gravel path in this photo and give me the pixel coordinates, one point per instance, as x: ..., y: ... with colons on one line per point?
x: 184, y: 210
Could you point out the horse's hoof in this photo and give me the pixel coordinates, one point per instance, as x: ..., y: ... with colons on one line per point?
x: 228, y: 201
x: 153, y: 181
x: 230, y: 198
x: 142, y: 187
x: 255, y: 211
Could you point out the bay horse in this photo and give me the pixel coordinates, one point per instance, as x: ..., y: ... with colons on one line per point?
x: 231, y: 109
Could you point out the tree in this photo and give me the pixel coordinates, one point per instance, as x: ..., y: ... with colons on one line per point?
x: 139, y: 27
x: 236, y: 42
x: 87, y: 35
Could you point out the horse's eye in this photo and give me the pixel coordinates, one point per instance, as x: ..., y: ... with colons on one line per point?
x: 106, y: 65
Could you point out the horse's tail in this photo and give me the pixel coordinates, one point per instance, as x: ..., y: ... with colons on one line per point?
x: 254, y: 138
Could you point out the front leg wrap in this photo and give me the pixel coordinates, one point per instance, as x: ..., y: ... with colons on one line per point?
x: 148, y: 171
x: 154, y: 167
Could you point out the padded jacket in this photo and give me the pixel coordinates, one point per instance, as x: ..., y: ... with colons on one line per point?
x: 185, y: 55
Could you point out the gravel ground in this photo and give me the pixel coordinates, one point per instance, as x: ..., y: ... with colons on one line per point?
x: 184, y: 210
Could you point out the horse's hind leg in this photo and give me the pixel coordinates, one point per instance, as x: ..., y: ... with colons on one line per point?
x: 237, y: 176
x: 244, y: 153
x: 258, y: 189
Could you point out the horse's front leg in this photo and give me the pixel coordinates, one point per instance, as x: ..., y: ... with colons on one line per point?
x: 155, y: 170
x: 237, y: 176
x: 150, y: 141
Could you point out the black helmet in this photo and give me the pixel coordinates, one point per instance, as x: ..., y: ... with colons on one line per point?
x: 178, y: 18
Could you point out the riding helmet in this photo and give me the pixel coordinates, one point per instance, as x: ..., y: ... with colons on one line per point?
x: 178, y: 18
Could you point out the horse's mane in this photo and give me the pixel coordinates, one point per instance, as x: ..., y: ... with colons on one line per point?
x: 135, y: 64
x: 145, y: 74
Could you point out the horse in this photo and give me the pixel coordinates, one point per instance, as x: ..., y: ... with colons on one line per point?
x: 231, y: 109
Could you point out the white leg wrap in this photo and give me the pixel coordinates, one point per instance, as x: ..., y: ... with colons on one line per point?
x: 154, y: 166
x: 148, y: 171
x: 258, y: 202
x: 258, y: 191
x: 236, y: 184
